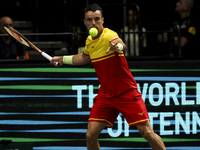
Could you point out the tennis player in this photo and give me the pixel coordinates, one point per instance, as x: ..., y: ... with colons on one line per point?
x: 118, y: 92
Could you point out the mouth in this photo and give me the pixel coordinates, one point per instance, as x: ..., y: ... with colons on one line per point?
x: 93, y: 26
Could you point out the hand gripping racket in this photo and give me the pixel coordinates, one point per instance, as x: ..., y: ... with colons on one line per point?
x: 19, y: 37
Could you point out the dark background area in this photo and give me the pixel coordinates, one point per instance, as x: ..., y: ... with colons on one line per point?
x: 61, y: 15
x: 66, y: 16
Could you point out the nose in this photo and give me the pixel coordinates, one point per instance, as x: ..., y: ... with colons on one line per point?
x: 93, y: 21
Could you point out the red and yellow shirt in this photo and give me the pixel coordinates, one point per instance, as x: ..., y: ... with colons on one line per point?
x: 112, y: 69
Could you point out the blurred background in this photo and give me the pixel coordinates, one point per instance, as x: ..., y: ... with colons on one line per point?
x: 65, y: 33
x: 40, y: 104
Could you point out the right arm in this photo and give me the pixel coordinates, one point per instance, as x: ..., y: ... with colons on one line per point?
x: 78, y: 59
x: 162, y: 37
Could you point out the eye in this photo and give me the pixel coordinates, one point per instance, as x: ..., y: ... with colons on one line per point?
x: 89, y: 19
x: 11, y: 25
x: 97, y: 19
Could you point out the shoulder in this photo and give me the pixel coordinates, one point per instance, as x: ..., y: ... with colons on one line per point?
x: 191, y: 26
x: 187, y: 25
x: 192, y: 30
x: 107, y: 30
x: 89, y: 40
x: 189, y: 21
x: 110, y: 34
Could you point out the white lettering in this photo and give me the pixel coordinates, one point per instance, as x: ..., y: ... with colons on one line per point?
x: 179, y: 121
x: 144, y: 90
x: 195, y: 121
x: 151, y: 118
x: 173, y: 94
x: 198, y: 93
x: 79, y: 89
x: 119, y: 128
x: 160, y: 94
x: 126, y: 128
x: 164, y: 123
x: 183, y: 95
x: 91, y: 96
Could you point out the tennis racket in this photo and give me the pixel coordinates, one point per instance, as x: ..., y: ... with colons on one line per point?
x: 19, y: 37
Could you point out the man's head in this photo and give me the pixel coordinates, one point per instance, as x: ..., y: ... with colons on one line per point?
x: 184, y: 5
x: 132, y: 16
x: 5, y: 21
x: 94, y: 17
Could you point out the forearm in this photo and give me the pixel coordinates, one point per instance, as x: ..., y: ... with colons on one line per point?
x: 78, y: 59
x: 183, y: 41
x: 116, y: 45
x: 162, y: 37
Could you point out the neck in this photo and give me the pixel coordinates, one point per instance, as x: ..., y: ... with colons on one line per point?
x: 185, y: 14
x: 132, y: 25
x: 6, y: 39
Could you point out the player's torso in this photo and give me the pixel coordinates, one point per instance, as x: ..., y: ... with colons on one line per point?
x: 112, y: 69
x: 97, y: 48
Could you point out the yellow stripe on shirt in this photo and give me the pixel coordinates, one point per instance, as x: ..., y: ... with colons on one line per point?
x: 103, y: 58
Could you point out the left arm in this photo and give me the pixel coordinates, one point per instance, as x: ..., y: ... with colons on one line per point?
x: 183, y: 39
x: 114, y: 47
x: 187, y: 35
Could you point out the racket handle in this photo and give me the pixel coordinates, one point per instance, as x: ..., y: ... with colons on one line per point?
x: 47, y: 57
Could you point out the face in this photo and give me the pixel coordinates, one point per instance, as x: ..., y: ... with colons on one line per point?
x: 5, y: 21
x: 132, y: 16
x: 181, y: 6
x: 94, y: 19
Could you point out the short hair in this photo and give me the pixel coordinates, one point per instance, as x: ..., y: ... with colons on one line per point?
x: 190, y: 3
x: 94, y: 7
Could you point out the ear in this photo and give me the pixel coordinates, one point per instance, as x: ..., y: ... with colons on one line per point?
x: 186, y: 7
x: 84, y: 21
x: 102, y: 19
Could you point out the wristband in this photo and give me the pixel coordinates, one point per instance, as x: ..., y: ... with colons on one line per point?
x: 68, y: 60
x: 120, y: 46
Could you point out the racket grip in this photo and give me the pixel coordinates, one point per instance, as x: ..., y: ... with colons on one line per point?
x: 47, y: 57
